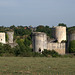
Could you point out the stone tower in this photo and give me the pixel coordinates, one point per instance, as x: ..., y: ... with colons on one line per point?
x: 39, y: 40
x: 60, y: 33
x: 10, y: 37
x: 2, y: 38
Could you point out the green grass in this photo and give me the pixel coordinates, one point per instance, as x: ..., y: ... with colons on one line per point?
x: 36, y: 66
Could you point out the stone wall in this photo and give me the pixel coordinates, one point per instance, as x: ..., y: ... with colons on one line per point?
x: 58, y: 47
x: 10, y: 37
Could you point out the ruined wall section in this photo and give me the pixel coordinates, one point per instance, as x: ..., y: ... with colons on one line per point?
x: 2, y: 38
x: 39, y: 41
x: 10, y: 37
x: 58, y: 47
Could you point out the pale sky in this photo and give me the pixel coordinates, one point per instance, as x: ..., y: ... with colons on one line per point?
x: 37, y: 12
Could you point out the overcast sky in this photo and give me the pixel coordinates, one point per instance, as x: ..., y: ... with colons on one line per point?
x: 37, y: 12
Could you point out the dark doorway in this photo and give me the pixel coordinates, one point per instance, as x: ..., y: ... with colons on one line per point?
x: 1, y: 39
x: 39, y: 49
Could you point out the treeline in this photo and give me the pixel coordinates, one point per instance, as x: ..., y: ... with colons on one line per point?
x: 26, y: 30
x: 18, y: 31
x: 45, y: 29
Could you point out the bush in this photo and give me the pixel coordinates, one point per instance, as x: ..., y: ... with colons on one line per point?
x: 52, y: 53
x: 36, y: 54
x: 7, y: 54
x: 72, y: 47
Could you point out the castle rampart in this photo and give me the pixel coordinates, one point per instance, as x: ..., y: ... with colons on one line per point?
x: 58, y: 47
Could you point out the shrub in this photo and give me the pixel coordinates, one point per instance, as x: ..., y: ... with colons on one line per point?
x: 48, y: 53
x: 36, y: 54
x: 72, y: 47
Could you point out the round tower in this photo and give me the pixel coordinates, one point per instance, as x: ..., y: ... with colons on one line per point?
x: 10, y: 37
x: 60, y: 33
x: 39, y: 41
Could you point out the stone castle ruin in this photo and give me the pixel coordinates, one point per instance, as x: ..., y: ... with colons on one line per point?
x: 41, y: 41
x: 10, y: 37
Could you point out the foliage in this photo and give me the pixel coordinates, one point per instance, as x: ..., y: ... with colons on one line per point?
x: 1, y: 49
x: 12, y: 27
x: 50, y: 53
x: 6, y: 36
x: 2, y: 29
x: 6, y: 49
x: 21, y: 31
x: 45, y: 29
x: 72, y: 46
x: 27, y: 41
x: 62, y: 24
x: 36, y: 54
x: 23, y: 47
x: 71, y: 29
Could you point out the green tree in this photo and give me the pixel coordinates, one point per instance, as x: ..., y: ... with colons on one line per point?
x: 1, y: 49
x: 72, y: 46
x: 12, y: 27
x: 27, y: 41
x: 6, y: 36
x: 62, y: 24
x: 7, y: 48
x: 45, y: 29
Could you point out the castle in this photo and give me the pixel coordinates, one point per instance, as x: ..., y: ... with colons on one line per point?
x: 41, y: 41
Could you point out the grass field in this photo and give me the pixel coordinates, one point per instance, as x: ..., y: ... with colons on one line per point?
x: 37, y: 66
